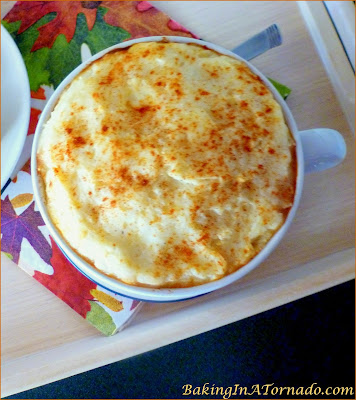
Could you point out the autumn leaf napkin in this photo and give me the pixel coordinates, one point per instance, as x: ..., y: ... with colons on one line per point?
x: 54, y: 37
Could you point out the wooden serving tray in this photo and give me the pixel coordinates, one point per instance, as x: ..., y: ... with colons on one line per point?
x: 43, y: 340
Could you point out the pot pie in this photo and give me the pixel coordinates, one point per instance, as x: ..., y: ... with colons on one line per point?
x: 167, y: 165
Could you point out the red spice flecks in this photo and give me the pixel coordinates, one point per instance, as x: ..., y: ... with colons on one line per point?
x: 79, y: 141
x: 184, y: 251
x: 204, y: 237
x: 203, y: 92
x: 143, y: 110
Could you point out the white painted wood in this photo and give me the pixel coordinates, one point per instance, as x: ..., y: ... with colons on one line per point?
x: 342, y: 14
x: 332, y: 54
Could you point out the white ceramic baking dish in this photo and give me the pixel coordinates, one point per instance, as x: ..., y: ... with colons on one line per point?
x: 316, y: 150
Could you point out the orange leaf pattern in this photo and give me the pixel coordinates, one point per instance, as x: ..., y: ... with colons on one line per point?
x: 67, y: 282
x: 39, y: 94
x: 27, y: 167
x: 139, y: 18
x: 34, y: 115
x: 63, y: 23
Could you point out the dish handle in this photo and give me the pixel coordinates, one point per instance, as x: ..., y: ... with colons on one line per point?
x: 322, y: 149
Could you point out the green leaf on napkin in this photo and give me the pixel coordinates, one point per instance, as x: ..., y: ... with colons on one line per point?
x: 8, y: 255
x: 12, y: 28
x: 64, y: 56
x: 104, y: 35
x: 101, y: 319
x: 49, y: 66
x: 283, y: 90
x: 36, y: 62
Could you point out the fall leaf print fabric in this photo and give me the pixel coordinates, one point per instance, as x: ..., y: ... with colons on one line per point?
x: 52, y: 37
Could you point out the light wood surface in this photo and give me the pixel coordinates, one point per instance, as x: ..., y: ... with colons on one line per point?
x: 44, y: 340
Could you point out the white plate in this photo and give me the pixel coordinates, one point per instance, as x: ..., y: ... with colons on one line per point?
x: 15, y: 105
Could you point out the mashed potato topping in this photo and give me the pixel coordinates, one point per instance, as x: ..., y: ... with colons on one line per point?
x: 167, y: 165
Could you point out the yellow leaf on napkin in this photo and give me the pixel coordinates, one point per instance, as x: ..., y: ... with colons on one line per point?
x: 107, y: 300
x: 21, y: 200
